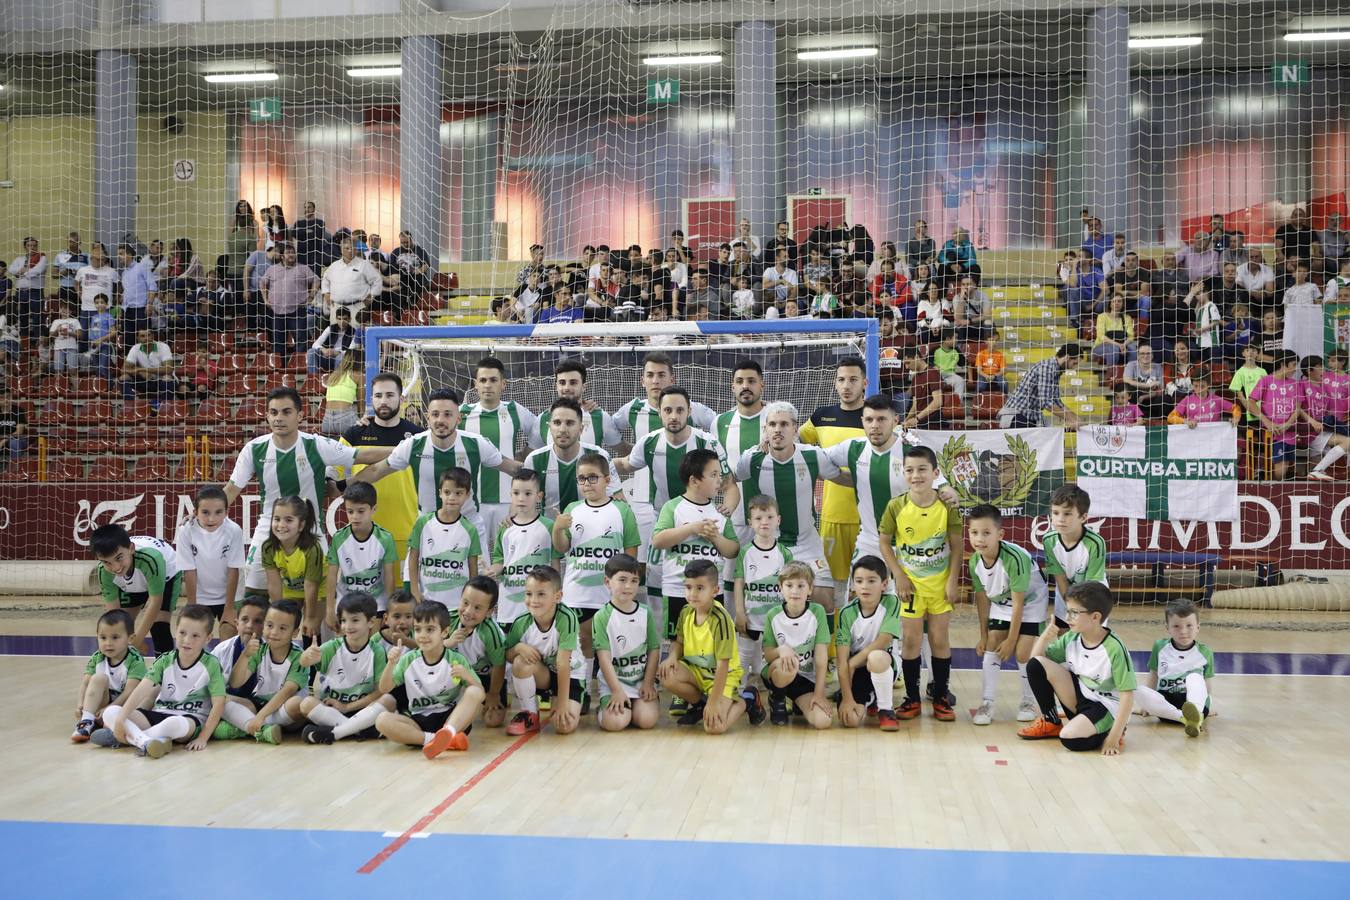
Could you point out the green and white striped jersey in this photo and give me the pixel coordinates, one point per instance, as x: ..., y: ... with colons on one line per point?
x: 682, y: 511
x: 299, y: 471
x: 360, y: 564
x: 271, y: 675
x: 1103, y: 671
x: 558, y: 477
x: 131, y: 668
x: 500, y: 427
x: 597, y: 427
x: 561, y: 634
x: 186, y: 691
x: 598, y: 533
x: 443, y: 552
x: 1013, y: 570
x: 346, y: 675
x: 737, y: 434
x: 429, y: 687
x: 801, y: 632
x: 641, y: 418
x: 662, y: 461
x: 1172, y: 664
x: 153, y: 563
x: 629, y: 638
x: 759, y: 569
x: 878, y: 476
x: 484, y: 648
x: 520, y: 547
x: 791, y: 482
x: 468, y: 451
x: 858, y: 628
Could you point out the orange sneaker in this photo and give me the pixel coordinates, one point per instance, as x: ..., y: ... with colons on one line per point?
x: 459, y: 742
x: 523, y: 723
x: 942, y: 711
x: 887, y: 721
x: 909, y: 709
x: 1040, y: 729
x: 440, y: 742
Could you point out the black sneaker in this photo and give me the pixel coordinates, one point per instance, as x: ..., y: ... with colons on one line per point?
x: 778, y: 711
x: 317, y: 734
x: 693, y: 715
x: 678, y: 707
x: 368, y: 734
x: 586, y: 703
x: 753, y: 708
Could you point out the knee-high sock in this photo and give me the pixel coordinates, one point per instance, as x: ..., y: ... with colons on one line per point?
x: 525, y: 693
x: 358, y: 721
x: 326, y: 715
x: 1027, y: 695
x: 752, y: 657
x: 1042, y: 690
x: 883, y: 685
x: 173, y: 728
x: 110, y: 716
x: 1329, y: 458
x: 942, y: 675
x: 237, y: 714
x: 135, y: 736
x: 1148, y: 700
x: 989, y: 670
x: 926, y: 654
x: 910, y: 667
x: 1197, y: 691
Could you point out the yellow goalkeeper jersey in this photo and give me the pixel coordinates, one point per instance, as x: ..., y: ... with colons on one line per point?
x: 828, y: 426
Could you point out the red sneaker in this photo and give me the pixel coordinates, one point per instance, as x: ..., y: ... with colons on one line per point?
x: 942, y: 711
x: 1040, y: 730
x: 439, y: 743
x: 523, y: 723
x: 887, y: 721
x: 910, y: 709
x: 459, y: 742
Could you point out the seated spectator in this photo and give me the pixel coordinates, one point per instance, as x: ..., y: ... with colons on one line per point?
x: 501, y: 311
x: 102, y: 338
x: 211, y: 304
x: 1124, y: 411
x: 603, y: 282
x: 1168, y: 321
x: 921, y: 248
x: 1132, y: 282
x: 598, y: 307
x: 920, y: 404
x: 950, y: 362
x: 413, y: 266
x: 1294, y: 239
x: 824, y: 304
x: 1219, y: 237
x: 1257, y: 278
x: 990, y: 366
x: 743, y: 299
x: 860, y: 246
x: 1208, y: 327
x: 1095, y: 244
x: 562, y: 311
x: 887, y: 251
x: 1180, y: 372
x: 744, y: 265
x: 918, y: 285
x: 1198, y: 260
x: 791, y: 310
x: 890, y: 288
x: 528, y: 296
x: 342, y: 395
x: 1169, y: 273
x: 534, y: 267
x: 1226, y: 290
x: 780, y: 281
x: 1236, y: 251
x: 65, y: 333
x: 957, y: 257
x: 895, y: 339
x: 13, y: 430
x: 701, y: 291
x: 677, y: 243
x: 1200, y: 406
x: 1115, y: 335
x: 660, y: 314
x: 1302, y: 292
x: 1335, y: 242
x: 745, y: 239
x: 200, y: 372
x: 334, y: 341
x: 719, y: 272
x: 149, y: 370
x: 818, y: 270
x: 932, y: 313
x: 1148, y: 380
x: 1320, y: 266
x: 1080, y: 283
x: 350, y: 282
x: 972, y: 310
x: 1114, y: 258
x: 1239, y: 330
x: 676, y: 273
x: 853, y: 289
x: 782, y: 241
x: 1340, y: 285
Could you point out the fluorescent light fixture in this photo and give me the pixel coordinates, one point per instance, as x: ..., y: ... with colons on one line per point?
x: 239, y: 77
x: 1163, y: 43
x: 693, y: 59
x: 376, y: 72
x: 1296, y: 36
x: 836, y: 53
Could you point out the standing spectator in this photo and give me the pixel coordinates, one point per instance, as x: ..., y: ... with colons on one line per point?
x: 1294, y: 238
x: 743, y: 236
x: 256, y: 266
x: 311, y: 238
x: 1236, y: 251
x: 1115, y: 334
x: 972, y: 310
x: 186, y: 272
x: 1271, y: 339
x: 414, y: 272
x: 29, y: 271
x: 1038, y: 391
x: 1124, y: 409
x: 139, y: 290
x: 148, y: 369
x: 102, y: 338
x: 1257, y: 279
x: 1303, y: 291
x: 11, y: 339
x: 990, y: 366
x: 1340, y: 285
x: 719, y: 272
x: 1208, y: 321
x: 1115, y: 257
x: 275, y: 230
x: 1180, y: 372
x: 13, y: 430
x: 287, y: 289
x: 6, y: 283
x: 1096, y: 243
x: 1226, y: 290
x: 781, y: 241
x: 1239, y: 330
x: 535, y: 266
x: 211, y: 303
x: 780, y: 281
x: 65, y: 333
x: 887, y: 251
x: 1148, y: 379
x: 743, y: 265
x: 159, y: 263
x: 349, y: 283
x: 242, y: 241
x: 68, y: 264
x: 1335, y: 242
x: 920, y: 249
x: 96, y: 279
x: 1198, y: 260
x: 1080, y: 283
x: 1219, y: 238
x: 957, y: 257
x: 342, y: 396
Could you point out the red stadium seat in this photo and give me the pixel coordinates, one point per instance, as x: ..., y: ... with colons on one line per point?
x: 233, y: 363
x: 250, y: 413
x: 55, y: 412
x: 25, y: 470
x: 98, y: 412
x: 99, y: 439
x: 172, y: 414
x: 109, y: 468
x: 952, y: 408
x: 214, y: 411
x: 135, y: 412
x: 153, y: 468
x: 144, y: 440
x: 416, y: 317
x: 65, y: 468
x: 987, y: 405
x: 221, y: 344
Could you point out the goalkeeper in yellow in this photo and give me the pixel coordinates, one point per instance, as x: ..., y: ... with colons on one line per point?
x: 923, y: 546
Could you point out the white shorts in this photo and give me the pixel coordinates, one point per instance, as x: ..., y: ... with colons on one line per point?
x: 811, y: 550
x: 490, y: 517
x: 743, y: 536
x: 646, y: 521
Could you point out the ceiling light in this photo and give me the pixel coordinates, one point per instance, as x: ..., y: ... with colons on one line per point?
x: 376, y: 72
x: 696, y: 59
x: 836, y: 53
x: 239, y: 77
x: 1293, y: 36
x: 1162, y: 43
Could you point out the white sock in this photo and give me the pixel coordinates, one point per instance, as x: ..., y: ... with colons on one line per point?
x: 752, y: 657
x: 326, y: 715
x: 237, y: 714
x: 135, y: 737
x: 1150, y: 701
x: 172, y: 728
x: 883, y: 685
x: 525, y: 693
x: 358, y: 721
x: 1329, y: 457
x: 1197, y: 691
x: 926, y: 654
x: 989, y: 671
x: 1027, y: 695
x: 427, y: 737
x: 88, y: 714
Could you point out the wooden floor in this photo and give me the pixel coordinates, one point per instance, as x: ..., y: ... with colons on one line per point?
x: 1267, y: 780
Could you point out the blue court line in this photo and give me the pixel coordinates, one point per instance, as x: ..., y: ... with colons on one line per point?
x: 54, y: 860
x: 1227, y: 663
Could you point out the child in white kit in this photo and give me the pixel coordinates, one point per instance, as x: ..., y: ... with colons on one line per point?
x: 211, y: 551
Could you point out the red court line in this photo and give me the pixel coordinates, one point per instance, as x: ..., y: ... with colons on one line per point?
x: 435, y: 812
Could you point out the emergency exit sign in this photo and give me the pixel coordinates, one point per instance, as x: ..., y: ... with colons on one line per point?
x: 264, y: 109
x: 1289, y: 74
x: 666, y: 90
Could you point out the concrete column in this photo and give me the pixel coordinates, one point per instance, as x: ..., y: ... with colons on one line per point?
x: 114, y: 165
x: 1107, y: 146
x: 760, y: 195
x: 479, y: 186
x: 420, y: 184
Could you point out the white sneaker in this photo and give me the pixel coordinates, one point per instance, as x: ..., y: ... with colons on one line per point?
x: 1027, y: 711
x: 985, y: 714
x: 1320, y: 476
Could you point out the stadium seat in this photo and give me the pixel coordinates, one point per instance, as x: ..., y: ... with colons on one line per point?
x: 214, y: 411
x: 173, y: 414
x: 98, y: 439
x: 986, y: 406
x: 232, y: 363
x: 250, y: 413
x: 65, y: 468
x: 143, y: 440
x: 109, y: 468
x: 416, y: 317
x: 55, y: 412
x: 222, y: 343
x: 952, y: 408
x: 135, y: 412
x: 21, y: 385
x: 23, y: 470
x: 86, y: 387
x: 153, y: 468
x: 96, y: 412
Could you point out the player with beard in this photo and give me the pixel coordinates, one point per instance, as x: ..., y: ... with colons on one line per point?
x: 396, y: 509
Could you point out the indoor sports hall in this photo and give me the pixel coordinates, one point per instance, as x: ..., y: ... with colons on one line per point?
x: 656, y: 342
